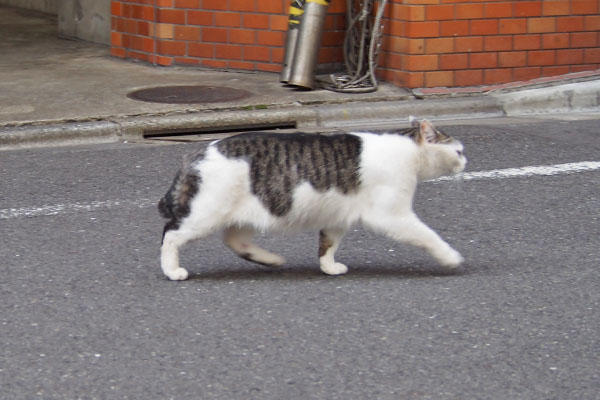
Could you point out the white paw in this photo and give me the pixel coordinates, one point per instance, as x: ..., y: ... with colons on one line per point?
x: 273, y: 260
x: 452, y: 259
x: 334, y: 269
x: 264, y: 258
x: 179, y: 274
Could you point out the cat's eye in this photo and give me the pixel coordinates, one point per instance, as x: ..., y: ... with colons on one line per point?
x: 459, y: 152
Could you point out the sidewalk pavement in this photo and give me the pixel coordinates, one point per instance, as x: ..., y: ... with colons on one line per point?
x: 55, y: 91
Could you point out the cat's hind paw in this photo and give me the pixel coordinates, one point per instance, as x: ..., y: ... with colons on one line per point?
x: 272, y: 260
x: 334, y: 269
x: 264, y: 258
x: 180, y: 274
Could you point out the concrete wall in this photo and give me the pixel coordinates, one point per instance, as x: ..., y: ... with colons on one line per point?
x: 47, y: 6
x: 85, y: 19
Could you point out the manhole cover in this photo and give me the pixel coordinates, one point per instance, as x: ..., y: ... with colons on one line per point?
x: 189, y: 94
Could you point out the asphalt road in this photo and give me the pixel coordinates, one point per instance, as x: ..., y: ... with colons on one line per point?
x: 87, y: 314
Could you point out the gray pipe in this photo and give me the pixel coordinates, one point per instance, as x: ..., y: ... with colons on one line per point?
x: 296, y: 11
x: 306, y: 54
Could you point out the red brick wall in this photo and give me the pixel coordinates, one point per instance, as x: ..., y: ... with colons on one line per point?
x: 234, y: 34
x: 430, y: 43
x: 426, y: 43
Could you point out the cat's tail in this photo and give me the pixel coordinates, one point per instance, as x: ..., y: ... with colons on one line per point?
x: 175, y: 204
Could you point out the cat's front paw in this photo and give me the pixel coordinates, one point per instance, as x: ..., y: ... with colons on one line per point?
x: 334, y: 269
x: 180, y: 274
x: 451, y: 259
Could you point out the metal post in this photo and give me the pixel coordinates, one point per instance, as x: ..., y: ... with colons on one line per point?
x: 308, y: 43
x: 296, y: 11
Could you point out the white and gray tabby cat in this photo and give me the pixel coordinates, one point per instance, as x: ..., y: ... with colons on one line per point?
x: 308, y: 182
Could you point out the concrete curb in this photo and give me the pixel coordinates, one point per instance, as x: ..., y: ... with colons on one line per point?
x: 135, y: 128
x: 59, y: 134
x: 398, y: 111
x: 583, y: 96
x: 327, y: 116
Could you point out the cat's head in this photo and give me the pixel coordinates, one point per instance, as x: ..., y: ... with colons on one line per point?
x: 445, y: 153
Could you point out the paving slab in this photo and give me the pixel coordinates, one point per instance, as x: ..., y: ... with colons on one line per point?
x: 47, y: 79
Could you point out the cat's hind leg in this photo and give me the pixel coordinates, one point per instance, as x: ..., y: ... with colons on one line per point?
x: 174, y: 239
x: 329, y: 241
x: 178, y: 233
x: 240, y: 241
x: 169, y: 254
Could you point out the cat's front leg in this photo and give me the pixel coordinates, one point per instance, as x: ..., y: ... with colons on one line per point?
x: 410, y: 229
x: 329, y: 241
x: 447, y: 256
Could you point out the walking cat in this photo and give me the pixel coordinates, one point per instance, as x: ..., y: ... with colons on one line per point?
x: 308, y: 182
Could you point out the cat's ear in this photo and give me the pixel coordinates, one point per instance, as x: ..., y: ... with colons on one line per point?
x: 413, y: 122
x: 427, y: 133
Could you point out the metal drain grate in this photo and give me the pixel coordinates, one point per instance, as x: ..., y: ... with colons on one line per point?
x: 189, y: 94
x: 213, y: 133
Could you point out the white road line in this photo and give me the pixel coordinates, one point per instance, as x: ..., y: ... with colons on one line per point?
x: 68, y: 208
x: 542, y: 170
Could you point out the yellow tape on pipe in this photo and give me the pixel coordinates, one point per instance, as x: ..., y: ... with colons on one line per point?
x: 321, y: 2
x: 296, y: 11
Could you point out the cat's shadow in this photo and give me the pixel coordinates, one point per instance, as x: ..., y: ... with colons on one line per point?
x: 314, y: 273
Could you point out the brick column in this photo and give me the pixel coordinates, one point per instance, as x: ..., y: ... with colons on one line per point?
x: 132, y: 30
x: 226, y: 34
